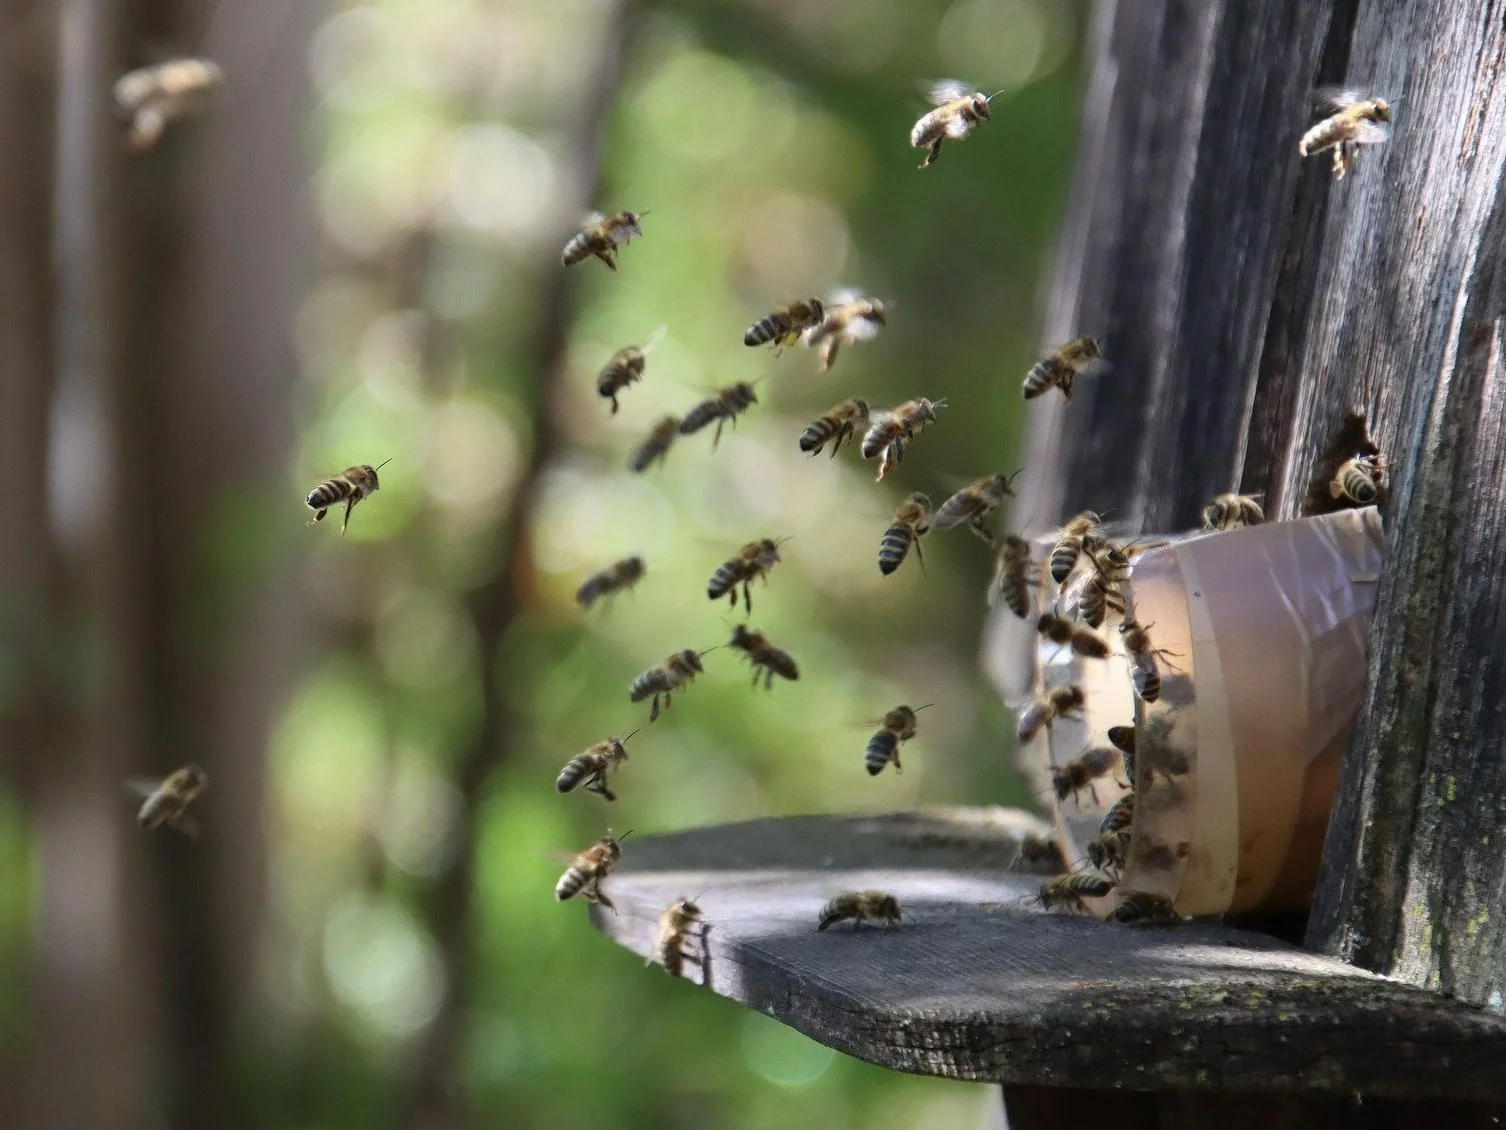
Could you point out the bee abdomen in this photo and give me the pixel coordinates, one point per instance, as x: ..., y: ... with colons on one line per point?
x: 781, y: 663
x: 1017, y: 598
x: 326, y: 494
x: 881, y: 750
x: 1063, y: 558
x: 894, y: 546
x: 875, y: 440
x: 699, y: 416
x: 1147, y: 682
x: 767, y: 329
x: 1043, y: 375
x: 592, y: 590
x: 955, y: 510
x: 1327, y: 132
x: 651, y: 682
x: 832, y: 913
x: 815, y: 437
x: 570, y: 884
x: 574, y: 772
x: 724, y: 580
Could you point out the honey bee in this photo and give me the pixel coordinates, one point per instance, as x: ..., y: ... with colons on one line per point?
x: 1359, y: 480
x: 1055, y: 703
x: 839, y: 423
x: 625, y: 368
x: 608, y: 582
x: 1084, y: 641
x: 656, y: 446
x: 1012, y: 577
x: 1068, y: 891
x: 350, y: 486
x: 601, y: 236
x: 1080, y: 773
x: 767, y: 660
x: 1061, y: 367
x: 899, y: 726
x: 912, y: 521
x: 1353, y: 120
x: 849, y: 319
x: 727, y: 404
x: 786, y: 325
x: 891, y: 430
x: 584, y: 876
x: 1122, y: 738
x: 1144, y: 672
x: 1119, y: 816
x: 151, y: 97
x: 592, y: 765
x: 1232, y: 511
x: 860, y: 906
x: 166, y: 801
x: 1144, y: 906
x: 754, y: 560
x: 1100, y: 590
x: 1108, y: 851
x: 1081, y: 533
x: 1039, y: 853
x: 680, y: 668
x: 975, y: 502
x: 958, y: 108
x: 677, y: 923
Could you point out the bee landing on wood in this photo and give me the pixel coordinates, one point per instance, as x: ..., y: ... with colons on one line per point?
x: 890, y: 431
x: 601, y: 236
x: 592, y: 766
x: 975, y: 502
x: 584, y: 876
x: 766, y: 659
x: 899, y: 726
x: 167, y: 800
x: 727, y: 404
x: 1068, y: 891
x: 1359, y: 480
x: 860, y: 907
x: 677, y: 924
x: 1144, y: 906
x: 656, y: 446
x: 786, y: 325
x: 350, y: 486
x: 958, y: 108
x: 662, y: 681
x: 625, y: 368
x: 912, y: 521
x: 615, y: 578
x: 850, y: 318
x: 151, y: 97
x: 754, y: 560
x: 1353, y: 120
x: 1062, y: 366
x: 1232, y: 511
x: 839, y: 423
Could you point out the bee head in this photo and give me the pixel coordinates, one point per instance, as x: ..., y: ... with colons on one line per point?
x: 741, y: 636
x: 631, y: 219
x: 1382, y: 110
x: 745, y: 393
x: 692, y: 660
x: 194, y: 777
x: 980, y: 104
x: 878, y: 311
x: 372, y: 471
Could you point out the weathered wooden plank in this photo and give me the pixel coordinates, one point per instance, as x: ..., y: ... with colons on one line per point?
x: 980, y: 985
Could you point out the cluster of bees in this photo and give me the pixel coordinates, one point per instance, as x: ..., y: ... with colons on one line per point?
x: 150, y: 98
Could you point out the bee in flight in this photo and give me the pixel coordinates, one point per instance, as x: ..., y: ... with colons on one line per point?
x: 975, y: 502
x: 890, y: 431
x: 1062, y: 366
x: 754, y: 560
x: 151, y: 97
x: 1144, y: 906
x: 958, y: 108
x: 1108, y: 851
x: 591, y: 766
x: 1083, y: 641
x: 786, y: 325
x: 680, y: 668
x: 626, y: 367
x: 912, y: 521
x: 1353, y: 120
x: 767, y: 660
x: 838, y: 424
x: 656, y: 446
x: 678, y: 922
x: 1069, y: 891
x: 1079, y: 534
x: 1144, y: 672
x: 726, y: 404
x: 1012, y: 577
x: 350, y: 486
x: 601, y: 236
x: 850, y: 318
x: 899, y: 726
x: 1080, y: 773
x: 860, y: 906
x: 608, y: 582
x: 584, y: 876
x: 1054, y: 704
x: 166, y: 801
x: 1358, y: 480
x: 1232, y: 511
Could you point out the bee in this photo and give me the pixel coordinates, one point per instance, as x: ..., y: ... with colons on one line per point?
x: 767, y: 660
x: 849, y: 319
x: 899, y: 726
x: 754, y: 560
x: 838, y: 424
x: 890, y: 431
x: 1119, y: 817
x: 958, y: 108
x: 1358, y: 480
x: 1081, y: 772
x: 1154, y: 856
x: 1108, y: 851
x: 1122, y: 738
x: 727, y: 404
x: 1061, y: 367
x: 676, y: 924
x: 350, y: 486
x: 610, y: 581
x: 1352, y: 121
x: 1012, y: 576
x: 1144, y: 672
x: 656, y: 446
x: 584, y: 876
x: 1069, y: 890
x: 680, y: 668
x: 1144, y: 906
x: 1231, y: 511
x: 912, y: 521
x: 150, y: 97
x: 1100, y: 590
x: 1039, y: 853
x: 860, y: 906
x: 1079, y: 534
x: 166, y: 801
x: 601, y: 236
x: 786, y: 325
x: 1084, y: 641
x: 625, y: 368
x: 592, y: 765
x: 1055, y: 703
x: 975, y: 502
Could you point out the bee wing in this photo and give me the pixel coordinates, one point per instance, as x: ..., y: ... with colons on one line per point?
x: 653, y: 340
x: 958, y: 126
x: 1372, y: 133
x: 843, y: 295
x: 939, y: 92
x: 862, y: 329
x: 142, y: 786
x: 1328, y: 99
x: 591, y: 219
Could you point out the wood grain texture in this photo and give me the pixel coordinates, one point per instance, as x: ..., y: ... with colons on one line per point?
x: 980, y: 985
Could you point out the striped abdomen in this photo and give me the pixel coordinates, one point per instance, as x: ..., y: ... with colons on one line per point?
x: 329, y: 493
x: 1146, y: 678
x: 779, y: 661
x: 785, y: 325
x: 883, y: 748
x: 1046, y: 374
x: 1330, y: 131
x: 578, y: 769
x: 571, y: 882
x: 1119, y: 817
x: 726, y: 579
x: 894, y: 547
x: 656, y: 446
x: 582, y: 246
x: 656, y: 680
x: 880, y: 436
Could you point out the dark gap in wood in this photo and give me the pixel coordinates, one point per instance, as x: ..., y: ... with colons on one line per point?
x: 1352, y: 438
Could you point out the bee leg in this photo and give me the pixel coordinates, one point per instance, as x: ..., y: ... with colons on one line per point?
x: 614, y: 404
x: 829, y: 352
x: 606, y: 257
x: 932, y: 152
x: 349, y: 506
x: 653, y: 714
x: 897, y: 767
x: 919, y: 556
x: 319, y: 516
x: 1093, y: 792
x: 747, y: 597
x: 717, y: 438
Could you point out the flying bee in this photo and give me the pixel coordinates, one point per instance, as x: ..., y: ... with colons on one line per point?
x: 1012, y: 576
x: 838, y: 424
x: 958, y: 108
x: 1144, y: 906
x: 899, y: 726
x: 912, y: 521
x: 592, y: 765
x: 608, y: 582
x: 680, y: 668
x: 601, y: 236
x: 151, y: 97
x: 1119, y: 816
x: 1353, y: 120
x: 656, y: 446
x: 679, y: 920
x: 975, y: 502
x: 860, y: 906
x: 584, y: 876
x: 625, y: 368
x: 786, y: 325
x: 1062, y: 366
x: 1232, y: 511
x: 1109, y: 851
x: 727, y: 404
x: 1122, y: 738
x: 1068, y: 891
x: 1081, y: 772
x: 1040, y: 853
x: 754, y: 560
x: 1144, y: 672
x: 849, y: 319
x: 1359, y: 480
x: 1101, y: 589
x: 166, y: 801
x: 890, y: 431
x: 767, y: 660
x: 350, y: 486
x: 1084, y: 641
x: 1079, y: 534
x: 1055, y: 703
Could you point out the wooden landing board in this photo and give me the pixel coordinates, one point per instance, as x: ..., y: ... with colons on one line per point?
x: 978, y: 984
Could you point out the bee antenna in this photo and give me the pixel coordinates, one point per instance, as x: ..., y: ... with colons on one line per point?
x: 383, y: 463
x: 709, y: 650
x: 929, y: 704
x: 620, y: 838
x: 645, y: 212
x: 630, y: 736
x: 995, y: 94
